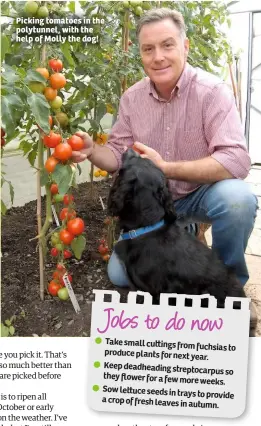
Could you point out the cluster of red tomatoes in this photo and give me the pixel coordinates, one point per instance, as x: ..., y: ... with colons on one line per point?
x: 103, y: 248
x: 72, y: 227
x: 62, y: 150
x: 56, y: 286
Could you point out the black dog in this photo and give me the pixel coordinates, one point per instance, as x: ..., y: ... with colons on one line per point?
x: 167, y: 259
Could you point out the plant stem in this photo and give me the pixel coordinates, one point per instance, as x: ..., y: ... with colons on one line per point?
x: 42, y: 243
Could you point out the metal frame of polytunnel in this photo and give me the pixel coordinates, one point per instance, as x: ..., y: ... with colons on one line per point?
x: 249, y: 69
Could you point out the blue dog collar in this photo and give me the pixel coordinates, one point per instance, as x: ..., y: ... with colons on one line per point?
x: 136, y: 233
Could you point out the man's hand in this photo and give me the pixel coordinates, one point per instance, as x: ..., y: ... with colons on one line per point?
x: 86, y: 151
x: 151, y: 154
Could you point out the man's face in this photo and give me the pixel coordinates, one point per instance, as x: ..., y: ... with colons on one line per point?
x: 163, y: 52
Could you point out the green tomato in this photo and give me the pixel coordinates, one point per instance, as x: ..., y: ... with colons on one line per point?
x: 31, y: 8
x: 55, y: 239
x: 58, y: 198
x: 62, y: 119
x: 36, y: 87
x: 56, y: 103
x: 59, y: 247
x: 138, y: 11
x: 42, y: 12
x: 135, y: 3
x: 146, y: 5
x: 126, y: 4
x: 63, y: 293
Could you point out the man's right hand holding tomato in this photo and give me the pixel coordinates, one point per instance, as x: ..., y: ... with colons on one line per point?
x: 100, y: 156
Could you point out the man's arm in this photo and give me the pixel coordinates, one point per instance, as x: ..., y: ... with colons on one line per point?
x: 205, y: 170
x: 108, y: 157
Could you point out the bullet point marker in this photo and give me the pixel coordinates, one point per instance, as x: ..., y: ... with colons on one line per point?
x: 97, y: 364
x: 95, y: 388
x: 98, y: 340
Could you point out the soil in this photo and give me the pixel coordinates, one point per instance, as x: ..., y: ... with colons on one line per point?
x: 20, y: 269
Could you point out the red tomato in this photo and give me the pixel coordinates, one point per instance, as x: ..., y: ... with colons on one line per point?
x: 68, y: 199
x: 57, y: 81
x: 53, y: 288
x: 2, y: 133
x: 103, y: 249
x: 54, y: 188
x: 56, y: 275
x: 55, y: 65
x: 106, y: 257
x: 63, y: 151
x: 66, y: 214
x: 66, y: 237
x: 61, y: 279
x: 54, y: 251
x: 52, y: 140
x: 67, y: 254
x: 60, y: 267
x: 50, y: 164
x: 76, y: 226
x: 76, y: 143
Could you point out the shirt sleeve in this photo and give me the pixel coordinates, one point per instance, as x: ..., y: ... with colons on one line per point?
x: 224, y: 132
x: 121, y: 134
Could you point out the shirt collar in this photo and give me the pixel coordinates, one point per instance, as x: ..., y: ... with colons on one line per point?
x: 180, y: 86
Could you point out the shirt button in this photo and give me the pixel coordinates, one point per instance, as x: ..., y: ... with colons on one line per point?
x: 168, y: 128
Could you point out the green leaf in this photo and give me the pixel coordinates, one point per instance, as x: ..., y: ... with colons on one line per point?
x: 34, y: 76
x: 63, y: 176
x: 8, y: 323
x: 44, y: 177
x: 100, y: 112
x: 66, y: 50
x: 11, y: 330
x: 40, y: 109
x: 71, y: 6
x: 79, y: 169
x: 9, y: 74
x: 12, y: 112
x: 31, y: 157
x: 3, y: 208
x: 11, y: 190
x: 5, y: 46
x: 78, y: 246
x: 4, y: 330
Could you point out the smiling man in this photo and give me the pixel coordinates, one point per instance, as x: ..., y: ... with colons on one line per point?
x: 185, y: 120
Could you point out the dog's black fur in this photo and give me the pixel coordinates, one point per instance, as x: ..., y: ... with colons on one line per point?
x: 167, y: 260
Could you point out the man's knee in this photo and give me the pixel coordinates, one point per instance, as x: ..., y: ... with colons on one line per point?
x: 236, y: 200
x: 116, y: 272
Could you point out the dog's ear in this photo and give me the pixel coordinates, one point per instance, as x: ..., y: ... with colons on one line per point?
x: 166, y: 201
x: 115, y: 202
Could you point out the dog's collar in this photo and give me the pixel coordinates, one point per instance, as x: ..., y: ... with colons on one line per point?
x: 137, y: 232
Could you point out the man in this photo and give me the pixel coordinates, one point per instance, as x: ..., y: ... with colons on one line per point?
x: 185, y: 120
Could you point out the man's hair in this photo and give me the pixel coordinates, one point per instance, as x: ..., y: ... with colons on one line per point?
x: 156, y: 15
